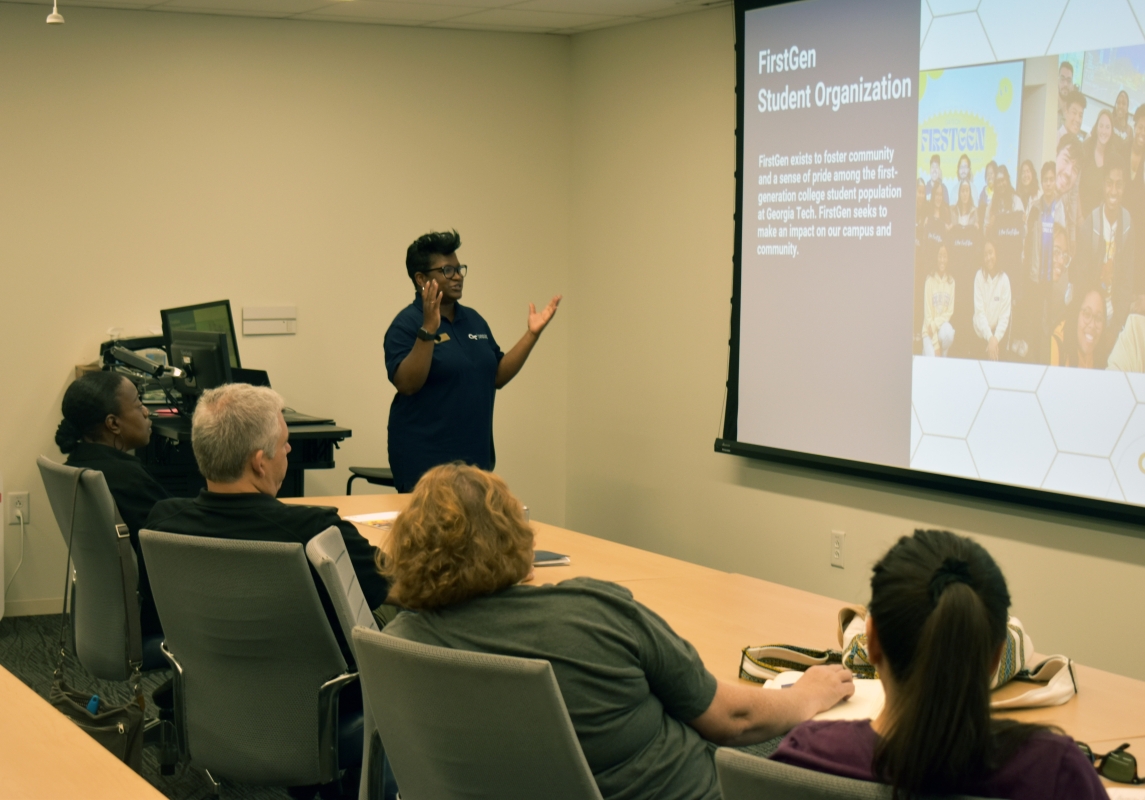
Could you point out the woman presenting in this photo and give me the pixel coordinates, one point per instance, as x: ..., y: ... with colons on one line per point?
x: 446, y: 365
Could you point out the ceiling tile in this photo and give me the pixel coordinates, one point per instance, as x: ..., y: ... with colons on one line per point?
x: 683, y: 8
x: 276, y: 8
x: 387, y: 11
x: 611, y: 7
x: 533, y: 20
x: 102, y: 4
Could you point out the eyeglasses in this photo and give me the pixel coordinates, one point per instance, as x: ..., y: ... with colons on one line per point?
x: 1117, y: 765
x: 449, y: 270
x: 1089, y: 317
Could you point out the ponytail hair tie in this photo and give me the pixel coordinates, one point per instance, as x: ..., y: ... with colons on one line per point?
x: 953, y: 570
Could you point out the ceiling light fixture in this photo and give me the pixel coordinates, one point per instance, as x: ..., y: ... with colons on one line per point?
x: 55, y: 18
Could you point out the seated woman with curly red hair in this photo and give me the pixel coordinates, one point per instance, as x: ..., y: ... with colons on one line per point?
x: 646, y: 712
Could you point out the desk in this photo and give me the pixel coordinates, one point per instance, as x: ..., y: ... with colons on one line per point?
x: 720, y: 613
x: 170, y: 461
x: 43, y: 754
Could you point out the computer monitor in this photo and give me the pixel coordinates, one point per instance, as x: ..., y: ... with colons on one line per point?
x: 203, y: 357
x: 207, y: 318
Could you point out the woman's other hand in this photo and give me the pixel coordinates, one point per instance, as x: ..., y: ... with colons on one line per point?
x: 539, y: 319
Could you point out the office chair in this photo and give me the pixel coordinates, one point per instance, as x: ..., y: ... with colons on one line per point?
x: 513, y: 741
x: 104, y: 586
x: 746, y: 777
x: 258, y: 671
x: 379, y: 476
x: 328, y: 556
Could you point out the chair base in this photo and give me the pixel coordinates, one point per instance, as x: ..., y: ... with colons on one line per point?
x: 379, y: 476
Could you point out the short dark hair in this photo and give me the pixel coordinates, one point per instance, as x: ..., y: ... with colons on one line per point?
x: 430, y: 244
x: 1139, y: 113
x: 87, y: 403
x: 936, y: 157
x: 1075, y: 98
x: 1071, y: 143
x: 1050, y: 166
x: 1066, y: 64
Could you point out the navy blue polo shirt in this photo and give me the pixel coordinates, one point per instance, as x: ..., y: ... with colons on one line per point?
x: 451, y: 417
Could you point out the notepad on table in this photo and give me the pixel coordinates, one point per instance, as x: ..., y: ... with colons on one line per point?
x: 380, y: 519
x: 545, y: 558
x: 865, y: 703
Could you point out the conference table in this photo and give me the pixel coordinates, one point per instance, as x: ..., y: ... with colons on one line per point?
x: 43, y: 755
x: 721, y: 613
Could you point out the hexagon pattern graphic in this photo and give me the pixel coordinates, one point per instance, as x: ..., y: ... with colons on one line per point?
x: 961, y: 32
x: 1086, y: 410
x: 1010, y: 440
x: 946, y: 393
x: 1073, y: 431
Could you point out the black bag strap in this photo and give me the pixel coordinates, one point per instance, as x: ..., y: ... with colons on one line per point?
x: 62, y: 652
x: 129, y: 578
x: 129, y: 574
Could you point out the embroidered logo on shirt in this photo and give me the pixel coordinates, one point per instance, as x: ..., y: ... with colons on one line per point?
x: 476, y: 336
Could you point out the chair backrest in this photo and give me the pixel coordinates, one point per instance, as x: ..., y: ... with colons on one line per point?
x: 459, y: 724
x: 747, y: 777
x: 252, y: 650
x: 99, y: 613
x: 327, y: 552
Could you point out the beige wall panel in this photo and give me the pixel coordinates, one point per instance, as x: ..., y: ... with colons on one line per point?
x: 155, y: 160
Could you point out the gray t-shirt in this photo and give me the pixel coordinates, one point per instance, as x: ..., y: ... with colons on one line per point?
x: 629, y: 682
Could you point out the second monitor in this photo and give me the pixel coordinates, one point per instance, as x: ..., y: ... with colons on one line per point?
x: 214, y: 317
x: 204, y: 359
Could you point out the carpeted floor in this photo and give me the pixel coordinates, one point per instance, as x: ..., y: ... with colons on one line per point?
x: 27, y: 650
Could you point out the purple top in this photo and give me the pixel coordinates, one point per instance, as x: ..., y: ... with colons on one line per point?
x: 1046, y: 767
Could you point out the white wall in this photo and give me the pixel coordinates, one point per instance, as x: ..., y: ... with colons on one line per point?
x: 653, y: 197
x: 153, y: 160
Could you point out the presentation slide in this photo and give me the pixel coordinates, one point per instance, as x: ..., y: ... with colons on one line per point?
x: 942, y: 240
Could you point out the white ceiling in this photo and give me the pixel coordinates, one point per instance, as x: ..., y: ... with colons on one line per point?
x: 529, y: 16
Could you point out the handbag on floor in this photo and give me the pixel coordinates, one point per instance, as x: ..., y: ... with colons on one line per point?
x: 118, y: 728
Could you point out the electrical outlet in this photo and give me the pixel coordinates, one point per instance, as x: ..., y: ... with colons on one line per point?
x: 18, y: 501
x: 837, y: 540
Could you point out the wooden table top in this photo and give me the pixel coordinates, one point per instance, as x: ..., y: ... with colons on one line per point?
x: 43, y: 754
x: 720, y: 613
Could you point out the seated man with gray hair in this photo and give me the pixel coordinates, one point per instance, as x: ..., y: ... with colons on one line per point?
x: 240, y: 441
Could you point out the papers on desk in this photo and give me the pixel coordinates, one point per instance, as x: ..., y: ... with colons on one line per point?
x: 865, y: 703
x: 382, y: 519
x: 1117, y: 793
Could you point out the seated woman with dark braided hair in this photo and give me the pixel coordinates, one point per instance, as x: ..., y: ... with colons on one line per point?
x: 103, y: 420
x: 935, y: 632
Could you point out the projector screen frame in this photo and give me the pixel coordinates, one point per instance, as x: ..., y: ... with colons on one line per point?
x: 951, y: 486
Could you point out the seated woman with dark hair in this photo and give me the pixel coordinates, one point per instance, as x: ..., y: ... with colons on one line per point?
x: 104, y: 419
x: 935, y: 633
x: 645, y: 710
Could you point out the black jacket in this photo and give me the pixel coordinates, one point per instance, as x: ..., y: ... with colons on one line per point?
x: 260, y: 517
x: 135, y: 493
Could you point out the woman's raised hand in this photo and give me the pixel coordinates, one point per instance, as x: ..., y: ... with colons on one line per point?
x: 431, y: 306
x: 539, y: 319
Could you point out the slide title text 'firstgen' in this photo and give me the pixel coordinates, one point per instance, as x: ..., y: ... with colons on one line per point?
x: 787, y: 60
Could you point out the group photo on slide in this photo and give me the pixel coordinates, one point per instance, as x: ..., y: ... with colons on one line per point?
x: 1030, y: 205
